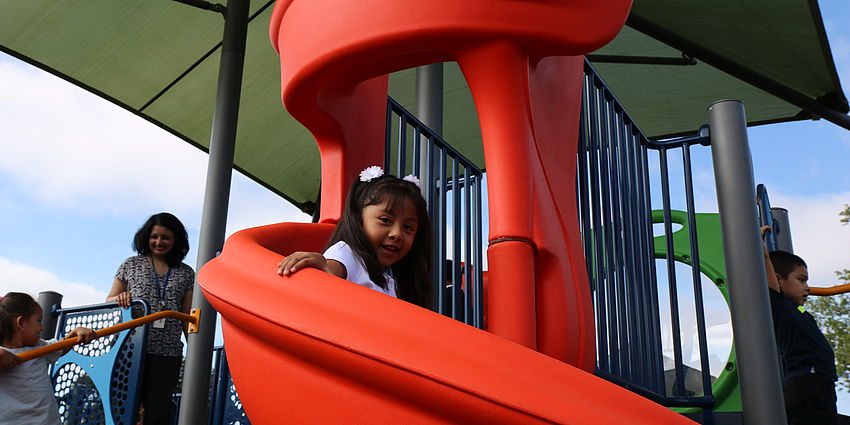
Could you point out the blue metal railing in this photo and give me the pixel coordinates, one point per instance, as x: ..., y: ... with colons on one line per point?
x: 684, y: 144
x: 766, y: 217
x: 613, y: 186
x: 452, y: 186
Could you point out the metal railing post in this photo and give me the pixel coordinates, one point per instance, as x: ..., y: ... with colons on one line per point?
x: 444, y: 170
x: 761, y: 387
x: 193, y: 407
x: 783, y: 233
x: 50, y: 303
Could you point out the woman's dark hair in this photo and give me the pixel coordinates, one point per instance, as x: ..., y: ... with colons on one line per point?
x: 785, y: 262
x: 12, y: 305
x: 411, y: 273
x: 141, y: 241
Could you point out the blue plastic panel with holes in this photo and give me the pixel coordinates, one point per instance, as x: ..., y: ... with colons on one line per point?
x: 97, y: 383
x: 226, y: 406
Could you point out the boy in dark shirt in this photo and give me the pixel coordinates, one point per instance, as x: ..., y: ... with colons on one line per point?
x: 808, y: 361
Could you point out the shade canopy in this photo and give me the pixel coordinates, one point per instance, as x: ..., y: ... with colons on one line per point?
x: 160, y: 58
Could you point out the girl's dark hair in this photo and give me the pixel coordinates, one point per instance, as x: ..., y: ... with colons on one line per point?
x: 411, y: 273
x: 12, y: 305
x: 785, y: 262
x: 141, y: 241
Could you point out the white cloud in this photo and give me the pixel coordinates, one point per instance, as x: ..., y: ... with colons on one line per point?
x: 721, y: 338
x: 20, y: 277
x: 252, y: 205
x: 818, y: 236
x: 105, y: 159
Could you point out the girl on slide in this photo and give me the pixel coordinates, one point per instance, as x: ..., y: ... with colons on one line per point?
x: 382, y: 240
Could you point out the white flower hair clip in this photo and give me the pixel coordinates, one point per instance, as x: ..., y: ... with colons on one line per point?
x: 413, y: 179
x: 370, y: 173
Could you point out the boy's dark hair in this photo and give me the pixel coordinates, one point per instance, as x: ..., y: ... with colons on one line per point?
x: 412, y: 273
x: 141, y: 240
x: 785, y: 262
x: 12, y: 305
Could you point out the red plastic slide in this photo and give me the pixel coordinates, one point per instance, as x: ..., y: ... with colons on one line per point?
x: 315, y: 349
x: 522, y: 62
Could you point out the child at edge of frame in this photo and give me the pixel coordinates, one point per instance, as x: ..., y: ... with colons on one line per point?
x: 808, y: 361
x: 26, y: 393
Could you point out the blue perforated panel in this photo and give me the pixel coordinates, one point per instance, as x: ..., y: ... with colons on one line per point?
x: 111, y: 366
x: 233, y: 412
x: 226, y: 407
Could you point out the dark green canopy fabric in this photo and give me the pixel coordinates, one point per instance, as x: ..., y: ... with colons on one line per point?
x: 160, y: 58
x: 779, y: 44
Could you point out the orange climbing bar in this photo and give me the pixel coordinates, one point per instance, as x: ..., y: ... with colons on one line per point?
x: 192, y: 319
x: 831, y: 290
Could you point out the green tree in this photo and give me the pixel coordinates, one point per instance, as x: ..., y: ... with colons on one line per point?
x: 833, y: 316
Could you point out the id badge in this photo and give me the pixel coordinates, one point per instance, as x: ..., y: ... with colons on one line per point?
x: 159, y: 324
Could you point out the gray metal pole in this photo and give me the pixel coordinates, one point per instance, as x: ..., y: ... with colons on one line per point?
x: 429, y: 96
x: 50, y: 302
x: 196, y: 377
x: 758, y: 364
x: 783, y: 238
x: 429, y: 110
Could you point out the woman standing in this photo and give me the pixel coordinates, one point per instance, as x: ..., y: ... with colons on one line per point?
x: 158, y: 276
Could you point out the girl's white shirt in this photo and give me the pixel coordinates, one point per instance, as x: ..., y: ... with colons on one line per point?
x: 355, y: 270
x: 26, y: 393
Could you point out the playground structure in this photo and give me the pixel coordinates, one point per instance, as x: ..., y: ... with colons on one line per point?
x: 537, y: 295
x: 524, y: 331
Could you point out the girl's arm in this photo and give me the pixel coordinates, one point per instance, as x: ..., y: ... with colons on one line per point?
x: 85, y: 335
x: 118, y: 293
x: 300, y: 259
x: 8, y: 360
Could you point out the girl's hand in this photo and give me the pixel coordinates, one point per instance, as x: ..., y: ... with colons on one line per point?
x: 299, y: 260
x: 8, y: 360
x: 85, y: 334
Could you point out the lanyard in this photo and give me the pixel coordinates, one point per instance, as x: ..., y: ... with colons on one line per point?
x: 161, y: 290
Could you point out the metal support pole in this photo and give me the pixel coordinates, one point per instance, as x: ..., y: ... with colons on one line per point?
x: 761, y: 386
x: 429, y: 110
x: 50, y: 302
x: 429, y: 96
x: 196, y: 378
x: 783, y: 236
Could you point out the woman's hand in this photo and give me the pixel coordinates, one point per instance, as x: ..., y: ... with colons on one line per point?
x: 86, y: 335
x: 119, y: 294
x: 299, y: 260
x: 122, y: 298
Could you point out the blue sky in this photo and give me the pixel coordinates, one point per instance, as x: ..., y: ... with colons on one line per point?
x: 79, y: 175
